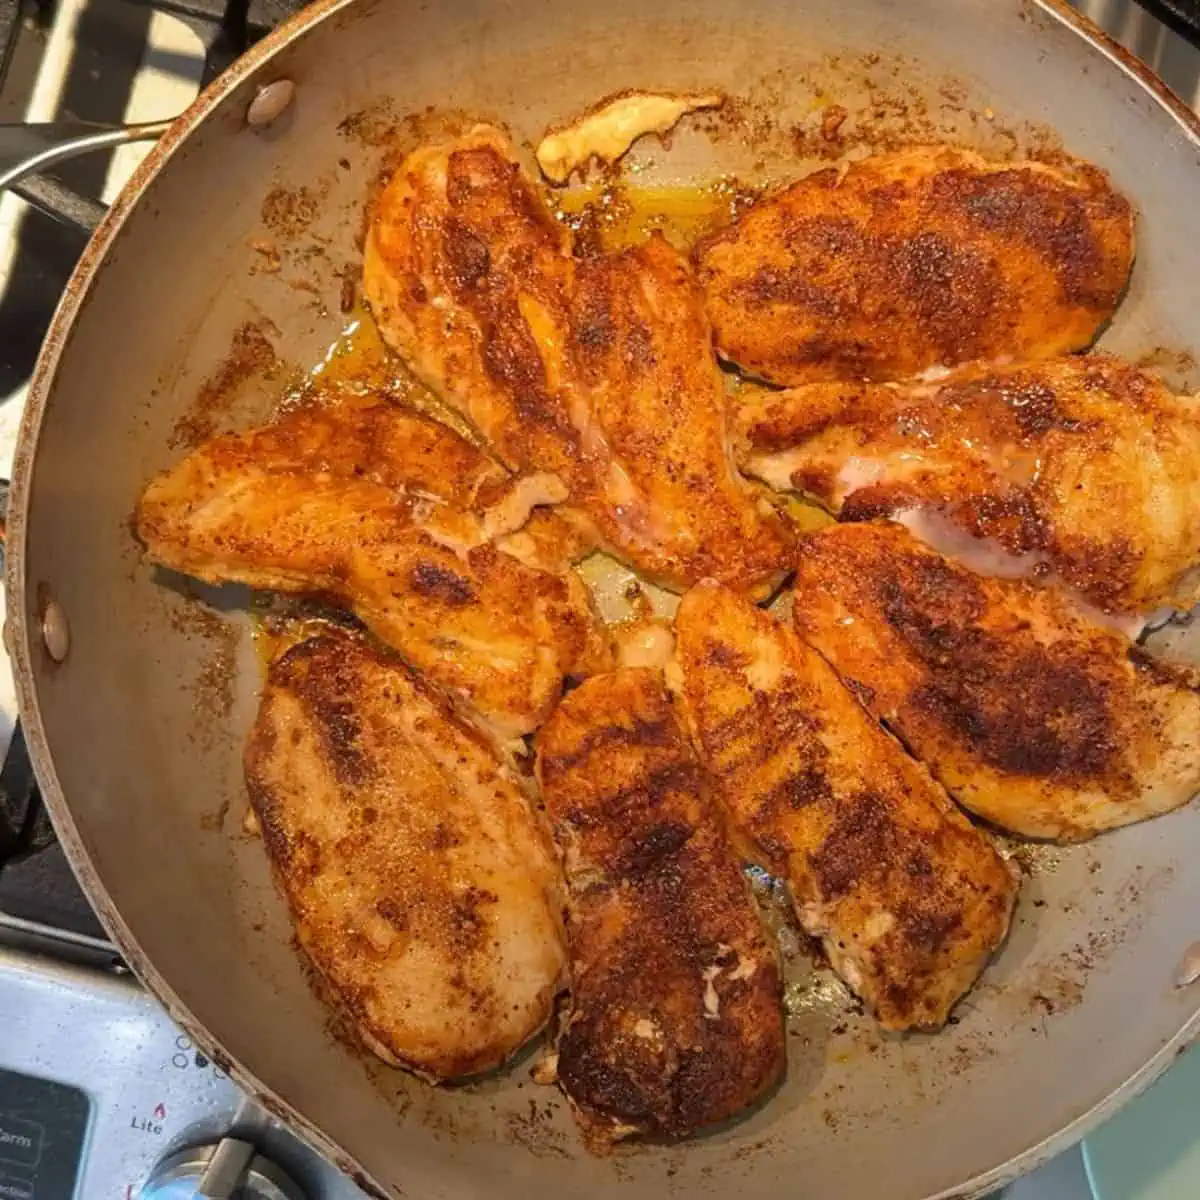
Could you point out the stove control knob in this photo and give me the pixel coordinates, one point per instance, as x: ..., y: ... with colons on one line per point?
x: 226, y: 1170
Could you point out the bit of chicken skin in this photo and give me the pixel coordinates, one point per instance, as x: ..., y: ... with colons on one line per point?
x: 915, y: 259
x: 1084, y: 464
x: 608, y: 129
x: 549, y: 540
x: 422, y: 884
x: 598, y: 370
x: 319, y: 504
x: 674, y: 1020
x: 643, y: 642
x: 1027, y: 711
x: 908, y: 898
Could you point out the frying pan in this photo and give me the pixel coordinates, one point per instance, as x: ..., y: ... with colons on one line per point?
x: 136, y: 694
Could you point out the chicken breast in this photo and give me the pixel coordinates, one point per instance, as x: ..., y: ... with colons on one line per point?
x: 469, y: 278
x: 1085, y: 465
x: 676, y: 509
x: 919, y: 258
x: 600, y: 372
x: 908, y: 898
x: 421, y: 880
x: 674, y: 1020
x: 346, y: 504
x: 1029, y: 713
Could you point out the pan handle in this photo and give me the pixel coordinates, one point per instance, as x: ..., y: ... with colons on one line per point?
x: 1182, y: 16
x: 29, y: 148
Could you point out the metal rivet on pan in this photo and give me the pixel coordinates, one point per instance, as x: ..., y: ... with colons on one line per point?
x: 55, y: 632
x: 1189, y: 966
x: 270, y: 102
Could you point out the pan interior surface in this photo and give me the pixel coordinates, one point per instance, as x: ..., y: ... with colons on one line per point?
x: 246, y: 239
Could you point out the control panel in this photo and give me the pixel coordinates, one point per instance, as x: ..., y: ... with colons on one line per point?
x: 103, y: 1097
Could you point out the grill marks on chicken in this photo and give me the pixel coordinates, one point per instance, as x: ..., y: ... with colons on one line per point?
x: 914, y: 259
x: 422, y: 884
x: 1084, y: 464
x: 674, y: 1019
x: 600, y: 371
x: 1029, y: 714
x: 908, y: 898
x: 347, y: 503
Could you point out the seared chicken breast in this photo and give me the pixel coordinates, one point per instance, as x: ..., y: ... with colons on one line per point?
x: 341, y: 503
x: 421, y: 880
x: 674, y: 1019
x: 1028, y: 712
x: 908, y: 898
x: 913, y: 259
x: 1085, y: 465
x: 598, y: 371
x: 676, y: 507
x: 465, y: 269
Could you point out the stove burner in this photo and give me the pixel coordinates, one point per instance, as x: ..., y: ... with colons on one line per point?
x: 1183, y: 16
x: 230, y: 27
x: 240, y: 23
x: 24, y: 825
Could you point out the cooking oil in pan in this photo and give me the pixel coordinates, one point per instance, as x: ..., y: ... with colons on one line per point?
x: 277, y: 627
x: 620, y: 214
x: 358, y: 368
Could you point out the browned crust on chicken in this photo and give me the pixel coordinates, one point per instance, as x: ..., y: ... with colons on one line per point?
x: 674, y: 1020
x: 421, y: 882
x: 1086, y: 463
x: 339, y: 504
x: 1030, y: 714
x: 387, y: 444
x: 913, y: 259
x: 908, y: 898
x: 462, y: 223
x: 643, y: 351
x: 599, y: 371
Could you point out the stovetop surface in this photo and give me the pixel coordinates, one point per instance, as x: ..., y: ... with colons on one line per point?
x: 116, y: 1089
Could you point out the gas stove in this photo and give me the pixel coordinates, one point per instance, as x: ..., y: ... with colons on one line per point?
x: 101, y: 1095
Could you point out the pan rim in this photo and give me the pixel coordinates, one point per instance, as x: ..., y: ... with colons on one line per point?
x: 21, y: 624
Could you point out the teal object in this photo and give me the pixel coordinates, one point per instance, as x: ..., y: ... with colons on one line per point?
x: 1151, y: 1149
